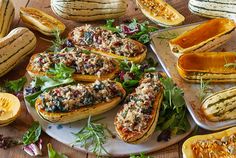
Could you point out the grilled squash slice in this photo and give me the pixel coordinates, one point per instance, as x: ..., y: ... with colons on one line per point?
x: 205, y: 37
x: 9, y: 108
x: 221, y: 105
x: 88, y: 67
x: 107, y: 43
x: 213, y: 66
x: 75, y: 102
x: 41, y: 21
x: 217, y: 145
x: 137, y: 119
x: 160, y: 12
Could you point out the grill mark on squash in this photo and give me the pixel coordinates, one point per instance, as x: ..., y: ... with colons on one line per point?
x: 18, y: 50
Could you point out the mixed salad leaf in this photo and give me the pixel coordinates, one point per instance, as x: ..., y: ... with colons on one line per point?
x: 33, y: 134
x: 173, y: 113
x: 15, y: 85
x: 54, y: 154
x: 134, y: 30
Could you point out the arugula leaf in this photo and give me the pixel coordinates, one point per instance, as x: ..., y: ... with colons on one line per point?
x: 33, y: 133
x: 141, y: 155
x: 31, y: 99
x: 53, y: 154
x: 173, y: 113
x: 109, y: 26
x: 15, y: 85
x: 60, y: 70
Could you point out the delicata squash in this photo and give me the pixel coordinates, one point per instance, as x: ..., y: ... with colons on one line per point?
x: 107, y: 43
x: 205, y: 37
x: 217, y: 145
x: 220, y: 106
x: 75, y: 102
x: 41, y: 21
x: 212, y: 66
x: 137, y: 119
x: 88, y: 66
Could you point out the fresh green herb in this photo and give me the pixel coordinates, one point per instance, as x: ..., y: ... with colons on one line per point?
x: 204, y: 89
x: 53, y: 154
x: 167, y: 35
x: 92, y: 136
x: 60, y: 70
x: 134, y: 30
x: 141, y: 155
x: 173, y: 113
x: 15, y: 85
x: 33, y: 134
x: 57, y: 43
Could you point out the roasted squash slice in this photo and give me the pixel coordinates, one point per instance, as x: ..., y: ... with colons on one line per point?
x: 41, y: 21
x: 136, y: 120
x: 220, y: 106
x: 106, y: 43
x: 89, y: 67
x: 9, y: 108
x: 217, y: 145
x: 76, y: 102
x: 212, y: 66
x: 160, y: 12
x: 204, y: 37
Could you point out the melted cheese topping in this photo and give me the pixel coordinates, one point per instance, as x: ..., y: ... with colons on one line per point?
x: 105, y: 40
x: 68, y: 98
x: 138, y: 109
x: 85, y: 64
x: 216, y: 148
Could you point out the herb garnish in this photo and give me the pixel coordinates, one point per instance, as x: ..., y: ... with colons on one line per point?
x: 141, y: 155
x: 15, y: 85
x: 60, y: 70
x: 57, y: 43
x: 54, y: 154
x: 204, y: 89
x: 92, y: 136
x: 167, y: 35
x: 173, y: 114
x: 33, y: 133
x: 131, y: 73
x: 134, y: 30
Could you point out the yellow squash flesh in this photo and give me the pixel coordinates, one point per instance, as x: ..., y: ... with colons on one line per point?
x: 78, y: 114
x: 211, y: 66
x: 9, y: 108
x: 160, y: 12
x: 187, y: 147
x: 205, y: 37
x: 40, y: 21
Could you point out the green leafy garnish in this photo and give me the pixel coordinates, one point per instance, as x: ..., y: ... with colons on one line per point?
x: 141, y: 155
x: 33, y: 133
x: 204, y: 89
x: 173, y: 113
x: 60, y: 70
x: 92, y: 136
x: 54, y: 154
x: 134, y: 30
x: 15, y: 85
x: 167, y: 35
x: 57, y: 42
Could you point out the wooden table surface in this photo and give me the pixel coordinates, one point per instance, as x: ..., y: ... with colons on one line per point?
x: 22, y: 123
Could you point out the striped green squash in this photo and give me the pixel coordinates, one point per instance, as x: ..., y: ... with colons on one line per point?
x: 220, y: 105
x: 7, y: 12
x: 81, y: 10
x: 213, y: 8
x: 14, y: 47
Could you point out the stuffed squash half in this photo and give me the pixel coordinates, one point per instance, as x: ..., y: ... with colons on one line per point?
x: 75, y: 102
x: 88, y: 66
x: 107, y: 43
x: 137, y: 119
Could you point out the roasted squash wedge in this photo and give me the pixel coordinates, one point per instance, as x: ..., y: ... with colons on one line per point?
x: 136, y: 120
x: 212, y: 66
x: 9, y: 108
x: 220, y: 106
x: 216, y: 145
x: 75, y: 102
x: 160, y: 12
x: 205, y: 37
x: 107, y: 43
x: 41, y: 21
x: 88, y: 67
